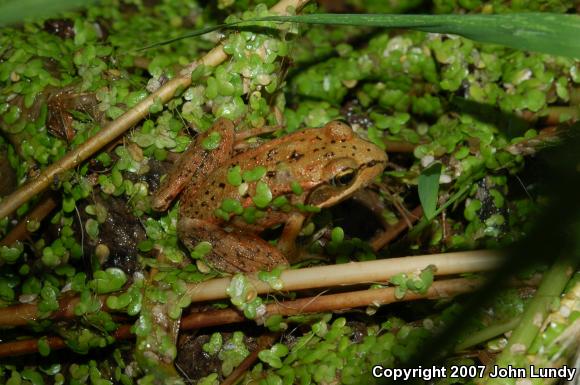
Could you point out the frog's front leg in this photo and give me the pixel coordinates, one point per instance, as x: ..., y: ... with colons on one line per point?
x: 231, y: 252
x: 196, y: 163
x: 287, y: 242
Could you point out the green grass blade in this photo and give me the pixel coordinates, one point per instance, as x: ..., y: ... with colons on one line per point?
x: 429, y: 189
x: 556, y: 34
x: 197, y: 32
x: 552, y: 33
x: 12, y: 11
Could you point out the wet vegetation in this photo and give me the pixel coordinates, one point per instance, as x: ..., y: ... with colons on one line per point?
x: 87, y: 265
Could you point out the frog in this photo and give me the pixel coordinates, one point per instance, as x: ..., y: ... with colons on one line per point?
x: 299, y: 173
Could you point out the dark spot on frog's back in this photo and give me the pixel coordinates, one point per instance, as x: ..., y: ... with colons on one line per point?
x: 222, y: 185
x: 295, y: 155
x: 271, y: 154
x: 271, y: 174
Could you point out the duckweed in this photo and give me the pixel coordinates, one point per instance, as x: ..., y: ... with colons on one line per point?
x: 234, y: 176
x: 243, y: 295
x: 263, y: 195
x: 201, y: 250
x: 212, y: 141
x: 296, y: 188
x: 254, y: 174
x: 272, y: 278
x: 107, y: 281
x: 232, y: 206
x: 404, y: 86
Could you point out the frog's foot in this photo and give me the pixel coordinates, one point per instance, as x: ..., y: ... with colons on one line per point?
x: 231, y: 252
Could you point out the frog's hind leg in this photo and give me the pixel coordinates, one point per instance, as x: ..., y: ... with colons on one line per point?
x: 231, y: 252
x: 195, y: 163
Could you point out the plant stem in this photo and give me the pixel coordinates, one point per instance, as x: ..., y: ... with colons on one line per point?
x: 342, y: 301
x: 399, y: 146
x: 264, y: 342
x: 394, y: 231
x: 487, y: 334
x: 301, y: 279
x: 556, y: 344
x: 19, y: 232
x: 357, y: 273
x: 534, y: 315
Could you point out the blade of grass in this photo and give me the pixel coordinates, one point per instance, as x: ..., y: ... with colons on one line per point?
x: 426, y: 221
x: 551, y: 33
x: 17, y: 11
x: 429, y: 189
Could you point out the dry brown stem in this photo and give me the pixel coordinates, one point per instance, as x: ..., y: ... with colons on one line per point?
x: 24, y: 314
x: 394, y: 231
x: 399, y: 146
x: 357, y: 273
x: 301, y: 279
x: 546, y: 137
x: 20, y: 232
x: 264, y: 342
x: 324, y: 303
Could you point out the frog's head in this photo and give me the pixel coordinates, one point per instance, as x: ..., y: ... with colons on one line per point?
x: 354, y: 164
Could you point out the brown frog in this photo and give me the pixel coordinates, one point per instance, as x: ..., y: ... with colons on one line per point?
x: 296, y: 174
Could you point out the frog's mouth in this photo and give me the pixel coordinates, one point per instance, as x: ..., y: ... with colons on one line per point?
x: 329, y: 194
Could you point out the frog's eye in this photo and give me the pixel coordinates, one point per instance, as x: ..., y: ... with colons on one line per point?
x: 344, y: 177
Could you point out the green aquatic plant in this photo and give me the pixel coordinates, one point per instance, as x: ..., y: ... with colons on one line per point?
x: 435, y: 93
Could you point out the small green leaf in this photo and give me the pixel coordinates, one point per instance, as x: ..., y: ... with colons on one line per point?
x: 263, y: 195
x: 212, y: 141
x: 270, y: 358
x: 68, y: 204
x: 33, y: 376
x: 43, y: 347
x: 201, y: 249
x: 232, y: 206
x: 108, y: 281
x: 254, y: 174
x: 337, y: 234
x: 214, y: 345
x: 429, y: 189
x: 234, y: 176
x: 92, y: 228
x: 296, y: 188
